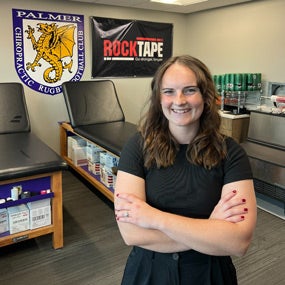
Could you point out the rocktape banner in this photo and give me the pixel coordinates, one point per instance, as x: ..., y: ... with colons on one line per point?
x: 129, y: 48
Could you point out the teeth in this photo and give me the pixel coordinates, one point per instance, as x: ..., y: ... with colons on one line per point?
x: 180, y: 111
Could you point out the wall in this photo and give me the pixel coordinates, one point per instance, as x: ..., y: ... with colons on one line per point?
x: 45, y: 110
x: 240, y: 38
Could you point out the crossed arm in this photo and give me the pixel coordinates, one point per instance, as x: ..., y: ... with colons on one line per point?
x: 228, y: 231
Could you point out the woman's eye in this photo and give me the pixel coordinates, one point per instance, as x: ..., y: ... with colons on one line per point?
x: 167, y: 92
x: 190, y: 90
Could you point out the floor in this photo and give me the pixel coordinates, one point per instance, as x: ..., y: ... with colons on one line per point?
x: 94, y: 252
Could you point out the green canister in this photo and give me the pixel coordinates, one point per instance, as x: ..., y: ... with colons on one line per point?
x: 249, y: 82
x: 229, y: 81
x: 237, y: 82
x: 258, y: 80
x: 243, y: 82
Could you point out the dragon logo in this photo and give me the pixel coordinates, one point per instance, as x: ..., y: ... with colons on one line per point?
x: 55, y: 46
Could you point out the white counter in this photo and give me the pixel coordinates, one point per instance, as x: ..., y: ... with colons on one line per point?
x: 227, y: 114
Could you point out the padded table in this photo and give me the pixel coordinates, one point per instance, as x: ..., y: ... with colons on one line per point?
x: 24, y: 157
x: 24, y: 154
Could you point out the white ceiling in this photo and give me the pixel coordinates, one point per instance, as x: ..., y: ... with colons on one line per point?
x: 146, y: 4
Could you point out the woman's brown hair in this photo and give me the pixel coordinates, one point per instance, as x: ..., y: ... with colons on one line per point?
x: 160, y: 147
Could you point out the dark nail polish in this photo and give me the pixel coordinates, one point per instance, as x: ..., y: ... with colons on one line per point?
x: 243, y: 200
x: 245, y: 209
x: 242, y: 217
x: 234, y: 191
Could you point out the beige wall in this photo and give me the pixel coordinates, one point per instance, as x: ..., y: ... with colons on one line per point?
x: 241, y: 38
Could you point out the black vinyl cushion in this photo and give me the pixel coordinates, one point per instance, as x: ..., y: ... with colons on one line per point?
x: 92, y: 102
x: 110, y: 136
x: 23, y: 154
x: 13, y: 110
x: 96, y: 114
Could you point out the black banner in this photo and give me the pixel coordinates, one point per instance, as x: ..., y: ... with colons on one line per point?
x: 129, y: 48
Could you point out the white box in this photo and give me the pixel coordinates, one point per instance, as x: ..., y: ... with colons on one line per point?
x: 79, y: 157
x: 73, y: 141
x: 94, y: 167
x: 103, y: 158
x: 40, y: 213
x: 107, y: 177
x: 40, y: 217
x: 4, y: 222
x: 111, y: 162
x: 39, y: 203
x: 93, y: 152
x: 19, y: 218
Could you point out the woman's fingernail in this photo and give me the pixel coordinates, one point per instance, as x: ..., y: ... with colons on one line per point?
x: 242, y: 217
x: 234, y: 191
x: 245, y: 209
x: 117, y: 194
x: 243, y: 200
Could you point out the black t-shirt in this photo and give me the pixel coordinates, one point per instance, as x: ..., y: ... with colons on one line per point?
x: 184, y: 188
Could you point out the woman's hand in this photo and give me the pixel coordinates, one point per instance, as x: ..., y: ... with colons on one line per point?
x: 131, y: 209
x: 230, y: 208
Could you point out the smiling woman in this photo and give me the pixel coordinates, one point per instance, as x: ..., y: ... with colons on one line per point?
x: 179, y: 182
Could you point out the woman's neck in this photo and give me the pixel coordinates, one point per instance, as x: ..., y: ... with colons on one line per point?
x: 185, y: 134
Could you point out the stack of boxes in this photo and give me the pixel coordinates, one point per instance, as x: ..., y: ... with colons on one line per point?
x: 76, y: 150
x: 108, y: 169
x: 93, y: 157
x: 99, y: 161
x: 25, y: 217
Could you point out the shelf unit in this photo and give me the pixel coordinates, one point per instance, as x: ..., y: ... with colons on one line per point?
x: 56, y: 226
x: 240, y: 101
x: 66, y: 130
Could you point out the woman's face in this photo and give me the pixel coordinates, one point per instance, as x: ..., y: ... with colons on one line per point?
x: 181, y: 100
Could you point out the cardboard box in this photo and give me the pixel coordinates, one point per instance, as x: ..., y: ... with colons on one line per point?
x: 40, y: 213
x: 4, y: 222
x: 74, y: 141
x: 19, y: 218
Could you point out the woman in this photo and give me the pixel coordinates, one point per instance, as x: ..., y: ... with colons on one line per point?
x: 184, y: 196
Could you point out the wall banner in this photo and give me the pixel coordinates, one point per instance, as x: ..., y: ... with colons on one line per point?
x: 49, y: 49
x: 129, y: 48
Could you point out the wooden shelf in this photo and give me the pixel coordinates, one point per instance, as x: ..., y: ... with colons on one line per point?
x: 56, y: 227
x: 64, y: 129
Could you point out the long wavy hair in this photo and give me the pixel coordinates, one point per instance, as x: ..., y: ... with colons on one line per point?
x: 208, y: 148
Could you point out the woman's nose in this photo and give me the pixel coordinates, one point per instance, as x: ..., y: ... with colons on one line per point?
x: 180, y: 98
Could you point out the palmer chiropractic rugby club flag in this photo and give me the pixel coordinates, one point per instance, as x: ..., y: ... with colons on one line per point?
x: 49, y: 49
x: 129, y: 48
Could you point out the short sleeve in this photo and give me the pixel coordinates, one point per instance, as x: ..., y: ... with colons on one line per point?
x: 236, y: 166
x: 131, y: 159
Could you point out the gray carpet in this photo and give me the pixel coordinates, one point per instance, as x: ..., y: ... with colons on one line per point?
x: 94, y: 252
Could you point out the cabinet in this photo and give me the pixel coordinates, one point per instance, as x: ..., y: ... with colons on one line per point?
x: 235, y: 126
x: 65, y: 131
x: 56, y: 227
